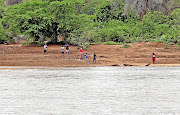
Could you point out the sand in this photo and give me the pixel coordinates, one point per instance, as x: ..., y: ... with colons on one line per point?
x: 139, y: 54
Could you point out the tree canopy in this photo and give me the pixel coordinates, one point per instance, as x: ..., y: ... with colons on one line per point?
x: 92, y: 20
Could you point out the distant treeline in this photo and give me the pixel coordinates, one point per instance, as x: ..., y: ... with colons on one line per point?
x: 123, y: 21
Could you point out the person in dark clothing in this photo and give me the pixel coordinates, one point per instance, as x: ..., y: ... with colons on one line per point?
x: 94, y: 58
x: 67, y: 48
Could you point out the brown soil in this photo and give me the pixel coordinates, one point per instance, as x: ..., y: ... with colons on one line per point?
x: 139, y: 54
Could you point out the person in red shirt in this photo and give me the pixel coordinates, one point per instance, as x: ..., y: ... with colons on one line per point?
x: 153, y: 57
x: 81, y: 50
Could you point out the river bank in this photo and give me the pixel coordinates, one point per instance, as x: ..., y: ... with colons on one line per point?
x: 138, y: 54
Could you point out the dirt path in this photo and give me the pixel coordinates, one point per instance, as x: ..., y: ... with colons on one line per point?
x: 139, y: 54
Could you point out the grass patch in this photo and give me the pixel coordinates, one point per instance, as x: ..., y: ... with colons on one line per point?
x: 85, y: 49
x: 177, y: 47
x: 126, y: 45
x: 112, y: 43
x: 150, y: 44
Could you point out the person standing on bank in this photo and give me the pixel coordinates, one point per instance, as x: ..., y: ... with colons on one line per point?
x: 153, y: 57
x: 81, y: 53
x: 45, y: 48
x: 62, y: 51
x: 86, y: 59
x: 94, y: 58
x: 67, y: 48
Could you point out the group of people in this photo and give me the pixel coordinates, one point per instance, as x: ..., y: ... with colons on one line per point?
x: 67, y: 52
x: 62, y: 49
x: 86, y: 55
x: 67, y: 49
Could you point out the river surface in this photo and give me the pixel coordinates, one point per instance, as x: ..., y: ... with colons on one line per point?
x: 90, y: 91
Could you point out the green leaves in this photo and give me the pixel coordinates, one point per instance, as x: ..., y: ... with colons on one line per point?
x: 87, y: 20
x: 2, y: 33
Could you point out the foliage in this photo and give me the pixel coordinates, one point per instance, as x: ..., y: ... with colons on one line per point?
x: 126, y: 45
x: 85, y: 45
x: 112, y: 43
x: 177, y: 47
x: 110, y: 21
x: 38, y: 18
x: 37, y: 43
x: 2, y: 34
x: 2, y: 2
x: 90, y: 7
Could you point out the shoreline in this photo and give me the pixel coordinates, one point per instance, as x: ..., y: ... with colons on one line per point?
x: 63, y: 67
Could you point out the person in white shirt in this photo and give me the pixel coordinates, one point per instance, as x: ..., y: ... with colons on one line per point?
x: 62, y: 50
x: 45, y: 48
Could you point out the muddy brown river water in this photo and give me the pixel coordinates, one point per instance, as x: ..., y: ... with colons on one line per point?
x: 90, y: 91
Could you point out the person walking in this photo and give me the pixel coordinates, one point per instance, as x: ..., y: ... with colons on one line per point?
x: 81, y: 53
x: 45, y: 48
x: 67, y: 48
x: 62, y: 51
x: 153, y: 57
x: 94, y: 58
x: 86, y: 59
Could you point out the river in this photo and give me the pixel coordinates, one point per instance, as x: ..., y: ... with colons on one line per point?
x: 90, y: 91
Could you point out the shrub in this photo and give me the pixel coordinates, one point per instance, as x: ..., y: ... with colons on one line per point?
x: 178, y: 43
x: 177, y: 47
x: 126, y: 45
x: 110, y: 43
x: 85, y: 48
x: 147, y: 40
x: 86, y: 44
x: 165, y: 44
x: 24, y: 43
x: 160, y: 39
x: 150, y: 44
x: 113, y: 43
x: 119, y: 43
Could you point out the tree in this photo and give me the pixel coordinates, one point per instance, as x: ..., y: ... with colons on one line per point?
x: 27, y: 21
x: 64, y: 14
x: 42, y: 18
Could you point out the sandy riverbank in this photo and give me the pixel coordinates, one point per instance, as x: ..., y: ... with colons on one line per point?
x: 139, y: 54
